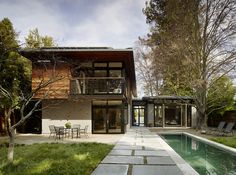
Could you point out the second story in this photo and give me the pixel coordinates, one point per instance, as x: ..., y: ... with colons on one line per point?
x: 82, y: 72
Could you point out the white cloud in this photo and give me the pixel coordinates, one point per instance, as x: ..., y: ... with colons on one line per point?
x: 116, y: 23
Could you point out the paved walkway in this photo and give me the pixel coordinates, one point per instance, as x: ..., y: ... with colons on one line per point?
x: 141, y: 152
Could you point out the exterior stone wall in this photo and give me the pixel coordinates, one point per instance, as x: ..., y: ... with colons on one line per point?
x: 59, y: 112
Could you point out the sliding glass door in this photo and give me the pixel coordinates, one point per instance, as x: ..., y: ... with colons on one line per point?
x: 107, y: 117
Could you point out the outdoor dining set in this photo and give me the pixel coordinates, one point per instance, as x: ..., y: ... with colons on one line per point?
x: 75, y: 131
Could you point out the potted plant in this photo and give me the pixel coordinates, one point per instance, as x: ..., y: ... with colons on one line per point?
x: 68, y: 125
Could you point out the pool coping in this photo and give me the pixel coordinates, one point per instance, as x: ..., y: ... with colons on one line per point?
x: 184, y: 166
x: 212, y: 143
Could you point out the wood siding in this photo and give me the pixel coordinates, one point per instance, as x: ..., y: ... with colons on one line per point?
x: 58, y: 73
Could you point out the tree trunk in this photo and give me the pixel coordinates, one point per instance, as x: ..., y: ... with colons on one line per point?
x: 11, y: 134
x: 11, y: 146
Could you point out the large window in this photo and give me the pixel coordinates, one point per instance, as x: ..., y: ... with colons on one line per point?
x: 108, y: 116
x: 172, y: 115
x: 158, y: 115
x: 110, y: 79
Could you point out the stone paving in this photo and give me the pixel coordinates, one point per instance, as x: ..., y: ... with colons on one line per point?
x: 141, y: 152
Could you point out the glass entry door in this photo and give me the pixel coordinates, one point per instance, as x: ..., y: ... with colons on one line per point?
x: 139, y: 116
x: 108, y: 117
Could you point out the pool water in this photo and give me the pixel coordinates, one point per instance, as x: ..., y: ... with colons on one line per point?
x: 205, y: 159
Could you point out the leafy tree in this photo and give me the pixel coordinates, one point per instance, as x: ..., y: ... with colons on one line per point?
x: 195, y: 43
x: 35, y: 40
x: 220, y: 96
x: 15, y: 92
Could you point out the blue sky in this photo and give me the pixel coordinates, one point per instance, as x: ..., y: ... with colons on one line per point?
x: 113, y: 23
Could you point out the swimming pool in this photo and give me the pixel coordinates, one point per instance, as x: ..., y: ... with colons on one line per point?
x: 204, y: 158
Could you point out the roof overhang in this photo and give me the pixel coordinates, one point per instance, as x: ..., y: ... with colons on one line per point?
x: 86, y: 54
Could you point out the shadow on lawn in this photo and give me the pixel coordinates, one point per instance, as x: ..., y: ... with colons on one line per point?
x: 55, y: 158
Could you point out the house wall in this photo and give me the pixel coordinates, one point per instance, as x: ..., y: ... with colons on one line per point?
x: 150, y: 114
x: 58, y: 112
x: 194, y: 117
x: 59, y: 74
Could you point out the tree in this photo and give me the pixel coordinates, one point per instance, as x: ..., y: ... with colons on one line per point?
x: 204, y: 46
x: 146, y: 71
x: 35, y: 40
x: 15, y: 83
x: 220, y: 96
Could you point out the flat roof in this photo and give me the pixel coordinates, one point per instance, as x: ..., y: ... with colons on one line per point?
x: 85, y: 53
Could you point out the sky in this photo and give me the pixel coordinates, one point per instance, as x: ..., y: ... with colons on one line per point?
x: 79, y: 23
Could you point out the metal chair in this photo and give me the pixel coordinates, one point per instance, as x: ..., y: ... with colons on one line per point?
x: 75, y: 130
x: 84, y: 130
x: 52, y: 130
x: 60, y: 132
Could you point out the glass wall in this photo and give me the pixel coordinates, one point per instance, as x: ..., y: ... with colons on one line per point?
x: 138, y: 116
x: 172, y: 115
x: 158, y: 115
x: 107, y: 116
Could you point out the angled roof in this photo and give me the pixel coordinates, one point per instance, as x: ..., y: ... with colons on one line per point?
x: 85, y: 53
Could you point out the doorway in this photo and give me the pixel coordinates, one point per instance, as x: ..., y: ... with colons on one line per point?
x: 138, y: 116
x: 107, y: 117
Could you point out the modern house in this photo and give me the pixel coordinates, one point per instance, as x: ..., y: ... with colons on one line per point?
x: 96, y: 86
x: 88, y: 86
x: 163, y: 111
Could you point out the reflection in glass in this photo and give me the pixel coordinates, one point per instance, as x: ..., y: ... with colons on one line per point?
x: 99, y: 120
x: 158, y: 116
x: 114, y: 116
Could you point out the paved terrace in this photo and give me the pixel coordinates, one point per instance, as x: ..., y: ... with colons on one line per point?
x: 141, y: 152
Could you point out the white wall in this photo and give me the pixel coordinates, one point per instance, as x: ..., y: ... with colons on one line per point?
x: 59, y: 112
x: 150, y: 114
x: 194, y: 117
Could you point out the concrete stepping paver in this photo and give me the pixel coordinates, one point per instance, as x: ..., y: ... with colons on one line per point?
x: 121, y: 152
x: 140, y: 152
x: 155, y: 170
x: 150, y: 153
x: 123, y: 159
x: 108, y: 169
x: 160, y: 161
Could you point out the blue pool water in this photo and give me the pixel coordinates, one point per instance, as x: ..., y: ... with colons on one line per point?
x: 205, y: 159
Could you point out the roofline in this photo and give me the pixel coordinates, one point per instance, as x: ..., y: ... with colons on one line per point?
x: 75, y: 49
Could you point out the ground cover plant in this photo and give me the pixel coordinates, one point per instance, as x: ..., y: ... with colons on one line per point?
x: 54, y: 158
x: 228, y: 141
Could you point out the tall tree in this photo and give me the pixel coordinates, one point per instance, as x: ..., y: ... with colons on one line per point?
x: 35, y: 40
x: 15, y: 93
x: 199, y: 37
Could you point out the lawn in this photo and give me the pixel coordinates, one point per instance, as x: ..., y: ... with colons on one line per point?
x: 56, y: 158
x: 229, y: 141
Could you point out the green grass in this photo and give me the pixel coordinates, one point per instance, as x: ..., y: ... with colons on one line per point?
x: 54, y: 159
x: 229, y: 141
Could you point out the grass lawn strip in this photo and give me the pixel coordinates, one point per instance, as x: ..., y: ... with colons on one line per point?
x: 54, y: 158
x: 228, y: 141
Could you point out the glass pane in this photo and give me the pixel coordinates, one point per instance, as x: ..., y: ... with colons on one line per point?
x: 115, y: 64
x: 172, y: 116
x: 100, y: 64
x: 158, y: 116
x: 100, y: 102
x: 99, y: 120
x: 115, y: 102
x: 141, y: 117
x: 115, y: 86
x: 114, y: 117
x: 100, y: 73
x: 115, y: 73
x: 135, y: 117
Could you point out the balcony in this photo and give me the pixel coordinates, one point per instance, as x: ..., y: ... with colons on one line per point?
x: 97, y: 86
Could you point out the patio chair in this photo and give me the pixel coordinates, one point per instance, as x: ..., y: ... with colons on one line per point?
x: 228, y: 129
x: 60, y: 132
x: 75, y: 130
x: 218, y: 129
x: 84, y: 130
x: 52, y: 130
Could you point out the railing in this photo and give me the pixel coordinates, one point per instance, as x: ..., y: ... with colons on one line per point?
x: 97, y: 86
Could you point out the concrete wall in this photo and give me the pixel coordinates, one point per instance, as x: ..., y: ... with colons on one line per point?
x: 150, y: 114
x: 57, y: 113
x: 194, y: 117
